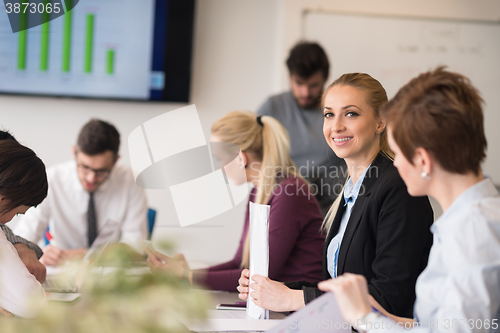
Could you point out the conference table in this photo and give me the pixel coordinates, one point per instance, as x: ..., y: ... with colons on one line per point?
x: 229, y: 320
x: 217, y: 320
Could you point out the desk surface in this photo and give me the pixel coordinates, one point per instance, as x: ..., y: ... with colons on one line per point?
x: 218, y: 320
x: 229, y: 320
x: 225, y: 297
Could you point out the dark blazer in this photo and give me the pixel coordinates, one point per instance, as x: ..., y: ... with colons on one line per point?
x: 387, y: 239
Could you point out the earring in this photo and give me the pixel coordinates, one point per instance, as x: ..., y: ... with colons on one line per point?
x: 425, y: 175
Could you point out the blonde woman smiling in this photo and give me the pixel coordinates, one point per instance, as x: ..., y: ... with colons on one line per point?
x: 375, y: 228
x: 436, y: 130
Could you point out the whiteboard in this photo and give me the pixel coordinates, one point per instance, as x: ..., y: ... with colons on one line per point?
x: 395, y: 49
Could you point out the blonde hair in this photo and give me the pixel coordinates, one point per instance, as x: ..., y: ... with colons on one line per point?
x: 376, y: 97
x: 268, y: 143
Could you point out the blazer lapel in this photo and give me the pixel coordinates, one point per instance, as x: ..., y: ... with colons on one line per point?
x: 357, y: 213
x: 377, y: 167
x: 334, y: 229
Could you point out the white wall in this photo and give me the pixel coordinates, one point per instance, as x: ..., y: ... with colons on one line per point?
x: 239, y: 52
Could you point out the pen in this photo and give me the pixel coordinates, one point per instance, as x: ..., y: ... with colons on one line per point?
x: 50, y: 238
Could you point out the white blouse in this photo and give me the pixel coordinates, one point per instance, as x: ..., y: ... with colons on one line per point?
x: 459, y: 291
x: 20, y: 292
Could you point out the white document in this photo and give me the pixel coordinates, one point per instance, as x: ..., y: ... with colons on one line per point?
x: 321, y: 315
x: 259, y: 252
x: 228, y: 321
x: 63, y: 297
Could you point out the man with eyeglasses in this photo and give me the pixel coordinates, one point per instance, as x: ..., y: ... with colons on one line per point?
x: 83, y: 194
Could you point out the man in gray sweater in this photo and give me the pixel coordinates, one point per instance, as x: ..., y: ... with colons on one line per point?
x: 299, y: 110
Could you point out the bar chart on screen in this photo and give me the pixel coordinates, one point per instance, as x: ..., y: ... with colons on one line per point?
x: 100, y: 48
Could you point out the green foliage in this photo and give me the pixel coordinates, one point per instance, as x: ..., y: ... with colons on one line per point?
x: 118, y: 302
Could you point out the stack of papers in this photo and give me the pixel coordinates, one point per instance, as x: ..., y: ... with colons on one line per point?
x: 229, y: 321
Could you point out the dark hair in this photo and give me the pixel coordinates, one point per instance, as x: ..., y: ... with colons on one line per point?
x: 307, y: 58
x: 5, y: 135
x: 98, y: 136
x: 23, y: 180
x: 441, y: 112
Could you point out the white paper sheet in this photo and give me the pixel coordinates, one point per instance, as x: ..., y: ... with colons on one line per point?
x: 229, y: 321
x: 321, y: 315
x: 62, y: 297
x: 259, y: 252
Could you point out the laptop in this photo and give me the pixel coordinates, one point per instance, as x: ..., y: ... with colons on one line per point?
x: 68, y: 279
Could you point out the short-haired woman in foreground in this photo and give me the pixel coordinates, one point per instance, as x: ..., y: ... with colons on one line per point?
x: 23, y: 183
x: 436, y: 131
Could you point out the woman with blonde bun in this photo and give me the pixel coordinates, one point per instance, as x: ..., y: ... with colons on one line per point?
x: 295, y: 240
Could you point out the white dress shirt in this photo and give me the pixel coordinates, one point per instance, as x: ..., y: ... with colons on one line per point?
x: 20, y: 292
x: 459, y: 291
x: 351, y: 192
x: 64, y: 210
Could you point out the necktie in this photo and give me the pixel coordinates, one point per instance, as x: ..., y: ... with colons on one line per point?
x: 91, y: 220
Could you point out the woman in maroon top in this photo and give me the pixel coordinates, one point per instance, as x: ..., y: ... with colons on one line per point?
x: 295, y: 241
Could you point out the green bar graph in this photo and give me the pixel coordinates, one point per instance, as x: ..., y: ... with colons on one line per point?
x: 110, y: 61
x: 66, y: 56
x: 89, y: 43
x: 23, y: 38
x: 44, y: 47
x: 44, y: 43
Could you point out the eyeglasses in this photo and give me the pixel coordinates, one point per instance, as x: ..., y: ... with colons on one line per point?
x: 85, y: 170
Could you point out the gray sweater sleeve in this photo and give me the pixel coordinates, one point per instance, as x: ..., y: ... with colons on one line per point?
x: 14, y: 239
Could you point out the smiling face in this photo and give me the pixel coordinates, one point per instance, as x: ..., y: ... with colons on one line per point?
x: 351, y: 126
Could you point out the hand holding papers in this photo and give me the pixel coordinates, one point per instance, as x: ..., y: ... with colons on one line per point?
x: 259, y: 253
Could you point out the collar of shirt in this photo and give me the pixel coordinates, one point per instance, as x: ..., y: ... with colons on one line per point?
x: 475, y: 193
x: 351, y: 190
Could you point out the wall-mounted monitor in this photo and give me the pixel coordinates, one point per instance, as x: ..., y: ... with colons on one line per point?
x: 110, y: 49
